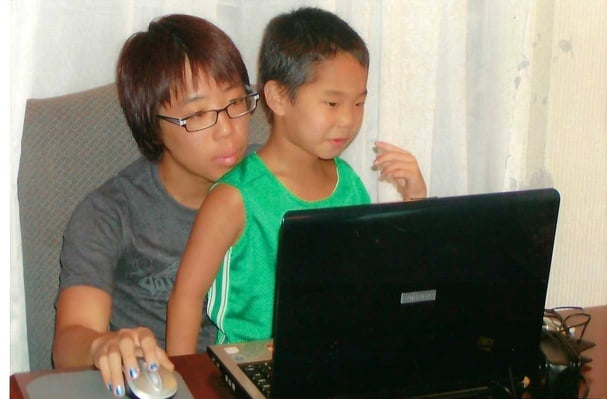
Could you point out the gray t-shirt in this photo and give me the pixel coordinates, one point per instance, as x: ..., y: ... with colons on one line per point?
x: 127, y: 238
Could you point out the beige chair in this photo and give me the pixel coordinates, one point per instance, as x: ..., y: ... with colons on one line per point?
x: 71, y: 144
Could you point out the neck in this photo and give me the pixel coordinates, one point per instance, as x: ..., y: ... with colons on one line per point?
x: 304, y: 174
x: 183, y: 186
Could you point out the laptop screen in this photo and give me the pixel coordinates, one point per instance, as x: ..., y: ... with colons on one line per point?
x: 417, y: 298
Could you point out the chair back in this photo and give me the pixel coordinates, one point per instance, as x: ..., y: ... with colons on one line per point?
x: 71, y: 144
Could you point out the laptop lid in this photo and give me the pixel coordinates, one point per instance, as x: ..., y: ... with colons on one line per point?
x: 413, y: 298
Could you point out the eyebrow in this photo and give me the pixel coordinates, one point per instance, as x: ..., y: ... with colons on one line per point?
x: 340, y: 93
x: 194, y: 98
x: 205, y: 97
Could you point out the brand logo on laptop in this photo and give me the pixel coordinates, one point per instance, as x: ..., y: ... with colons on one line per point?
x: 417, y: 297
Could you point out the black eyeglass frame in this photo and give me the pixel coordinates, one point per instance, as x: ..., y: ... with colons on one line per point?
x: 183, y: 122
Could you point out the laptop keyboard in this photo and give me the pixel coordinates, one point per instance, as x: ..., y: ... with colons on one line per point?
x: 260, y: 373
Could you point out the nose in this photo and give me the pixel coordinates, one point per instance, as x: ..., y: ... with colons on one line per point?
x: 225, y: 125
x: 348, y: 115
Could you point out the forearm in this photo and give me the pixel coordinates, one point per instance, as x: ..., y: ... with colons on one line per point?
x: 83, y: 315
x: 184, y: 318
x: 72, y: 346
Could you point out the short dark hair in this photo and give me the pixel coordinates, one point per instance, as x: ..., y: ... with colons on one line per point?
x: 294, y: 42
x: 152, y: 66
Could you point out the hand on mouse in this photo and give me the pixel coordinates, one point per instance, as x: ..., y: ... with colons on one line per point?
x: 114, y: 349
x: 158, y: 384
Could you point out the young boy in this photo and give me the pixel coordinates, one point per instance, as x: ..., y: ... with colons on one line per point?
x: 182, y: 85
x: 313, y: 69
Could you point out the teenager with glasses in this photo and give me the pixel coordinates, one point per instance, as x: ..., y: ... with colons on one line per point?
x: 313, y: 69
x: 185, y: 93
x: 205, y: 119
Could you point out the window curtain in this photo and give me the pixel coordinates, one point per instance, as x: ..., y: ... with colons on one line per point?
x: 463, y: 85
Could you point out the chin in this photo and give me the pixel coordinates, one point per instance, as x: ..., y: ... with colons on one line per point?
x: 221, y: 172
x: 328, y: 155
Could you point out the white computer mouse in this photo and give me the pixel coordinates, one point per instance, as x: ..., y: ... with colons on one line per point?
x: 160, y: 384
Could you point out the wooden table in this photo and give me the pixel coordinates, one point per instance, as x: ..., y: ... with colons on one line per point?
x: 596, y: 371
x: 205, y: 381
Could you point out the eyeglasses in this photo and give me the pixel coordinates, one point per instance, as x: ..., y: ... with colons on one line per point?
x: 205, y: 119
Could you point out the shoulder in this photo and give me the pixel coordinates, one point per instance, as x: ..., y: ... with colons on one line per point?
x: 223, y: 199
x: 344, y: 168
x: 250, y: 169
x: 140, y: 173
x: 138, y: 178
x: 220, y: 217
x: 341, y: 163
x: 350, y: 181
x: 120, y: 192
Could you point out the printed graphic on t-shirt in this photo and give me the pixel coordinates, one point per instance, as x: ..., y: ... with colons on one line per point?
x: 156, y: 279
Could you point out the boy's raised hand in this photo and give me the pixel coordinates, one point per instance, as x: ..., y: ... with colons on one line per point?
x: 401, y: 168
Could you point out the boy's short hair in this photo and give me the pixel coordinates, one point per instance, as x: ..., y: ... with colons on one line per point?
x: 152, y: 66
x: 294, y: 42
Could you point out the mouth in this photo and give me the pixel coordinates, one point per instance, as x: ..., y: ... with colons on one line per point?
x: 229, y: 159
x: 338, y: 142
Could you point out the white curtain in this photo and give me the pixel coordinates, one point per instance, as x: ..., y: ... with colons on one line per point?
x: 462, y: 84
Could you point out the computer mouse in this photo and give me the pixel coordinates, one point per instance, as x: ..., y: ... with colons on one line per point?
x: 160, y: 384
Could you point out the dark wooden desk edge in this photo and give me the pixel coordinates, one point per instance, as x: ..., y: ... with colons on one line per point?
x: 202, y: 377
x: 200, y: 374
x: 15, y: 391
x: 595, y: 372
x: 205, y: 382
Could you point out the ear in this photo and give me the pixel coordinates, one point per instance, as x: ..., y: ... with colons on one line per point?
x: 276, y: 96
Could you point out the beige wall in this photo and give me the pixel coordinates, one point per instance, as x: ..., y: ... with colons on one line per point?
x: 576, y: 148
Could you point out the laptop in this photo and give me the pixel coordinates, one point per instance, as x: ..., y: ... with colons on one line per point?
x: 442, y: 297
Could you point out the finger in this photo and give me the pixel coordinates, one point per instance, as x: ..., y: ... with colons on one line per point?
x: 396, y: 162
x: 400, y: 169
x: 163, y: 359
x: 389, y: 179
x: 395, y: 156
x: 103, y: 366
x: 128, y: 355
x: 154, y: 355
x: 384, y: 146
x: 397, y: 177
x: 148, y: 346
x: 115, y: 365
x: 408, y: 179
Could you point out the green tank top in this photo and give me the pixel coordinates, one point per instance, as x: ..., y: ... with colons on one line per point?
x: 241, y: 299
